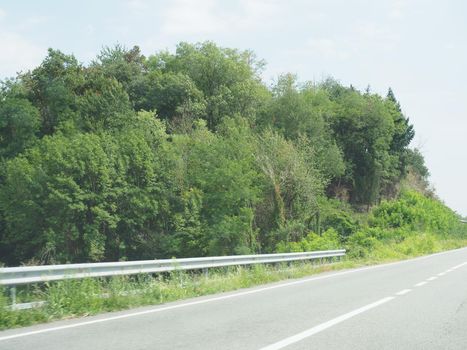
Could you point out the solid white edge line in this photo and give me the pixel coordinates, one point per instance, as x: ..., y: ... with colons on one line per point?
x: 321, y: 327
x: 229, y: 296
x: 432, y: 278
x: 171, y: 307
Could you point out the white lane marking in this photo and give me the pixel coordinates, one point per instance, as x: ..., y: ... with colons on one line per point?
x: 460, y: 265
x: 224, y: 297
x: 404, y: 291
x: 441, y: 273
x: 177, y: 306
x: 321, y: 327
x: 450, y: 270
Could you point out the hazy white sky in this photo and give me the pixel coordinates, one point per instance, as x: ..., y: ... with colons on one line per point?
x: 419, y: 48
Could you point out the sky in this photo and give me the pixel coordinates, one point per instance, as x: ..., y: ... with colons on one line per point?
x: 418, y: 48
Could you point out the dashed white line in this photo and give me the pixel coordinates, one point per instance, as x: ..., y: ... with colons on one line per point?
x: 313, y: 330
x: 204, y: 301
x: 460, y: 265
x: 404, y: 291
x: 321, y: 327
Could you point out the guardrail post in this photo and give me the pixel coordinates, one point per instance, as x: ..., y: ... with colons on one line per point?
x: 13, y: 296
x: 15, y: 276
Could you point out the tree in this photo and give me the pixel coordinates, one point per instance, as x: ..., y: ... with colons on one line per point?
x: 19, y: 126
x: 127, y: 66
x: 217, y: 173
x: 103, y: 104
x: 52, y: 88
x: 87, y: 197
x: 174, y: 96
x: 300, y: 113
x: 189, y: 154
x: 403, y: 131
x: 291, y: 186
x: 364, y: 130
x: 229, y: 79
x: 417, y: 173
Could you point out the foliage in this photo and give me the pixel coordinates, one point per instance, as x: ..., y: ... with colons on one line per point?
x: 217, y: 172
x: 74, y: 298
x: 11, y: 319
x: 52, y: 88
x: 19, y: 125
x: 302, y: 114
x: 189, y: 153
x: 329, y: 240
x: 414, y: 211
x: 83, y: 197
x: 411, y: 225
x: 339, y: 216
x: 417, y: 174
x: 291, y: 185
x: 215, y: 82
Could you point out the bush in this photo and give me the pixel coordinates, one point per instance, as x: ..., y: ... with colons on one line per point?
x: 360, y: 244
x: 418, y: 245
x: 414, y: 211
x: 11, y: 319
x: 75, y: 297
x: 339, y: 216
x: 329, y: 240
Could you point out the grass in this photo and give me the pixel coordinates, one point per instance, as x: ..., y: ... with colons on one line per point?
x: 77, y: 298
x: 412, y: 246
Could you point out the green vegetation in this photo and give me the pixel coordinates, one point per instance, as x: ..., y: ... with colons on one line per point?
x: 72, y: 298
x: 77, y: 298
x: 411, y: 226
x: 190, y: 154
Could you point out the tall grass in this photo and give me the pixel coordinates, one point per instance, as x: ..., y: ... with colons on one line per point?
x: 410, y: 226
x: 75, y: 298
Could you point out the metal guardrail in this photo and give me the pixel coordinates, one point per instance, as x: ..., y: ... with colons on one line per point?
x: 10, y: 276
x: 13, y: 276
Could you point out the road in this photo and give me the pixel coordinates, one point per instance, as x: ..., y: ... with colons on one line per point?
x: 414, y: 304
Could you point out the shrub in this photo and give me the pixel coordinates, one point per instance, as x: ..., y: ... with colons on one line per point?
x: 339, y: 216
x: 360, y: 244
x: 10, y: 319
x: 327, y: 241
x: 414, y: 211
x: 75, y: 297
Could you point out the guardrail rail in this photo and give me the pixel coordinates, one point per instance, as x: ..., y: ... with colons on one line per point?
x: 13, y: 276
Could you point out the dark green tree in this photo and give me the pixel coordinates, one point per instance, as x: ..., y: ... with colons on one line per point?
x: 52, y: 88
x: 229, y: 79
x: 19, y: 125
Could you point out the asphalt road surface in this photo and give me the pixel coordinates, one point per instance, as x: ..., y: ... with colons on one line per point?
x: 414, y: 304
